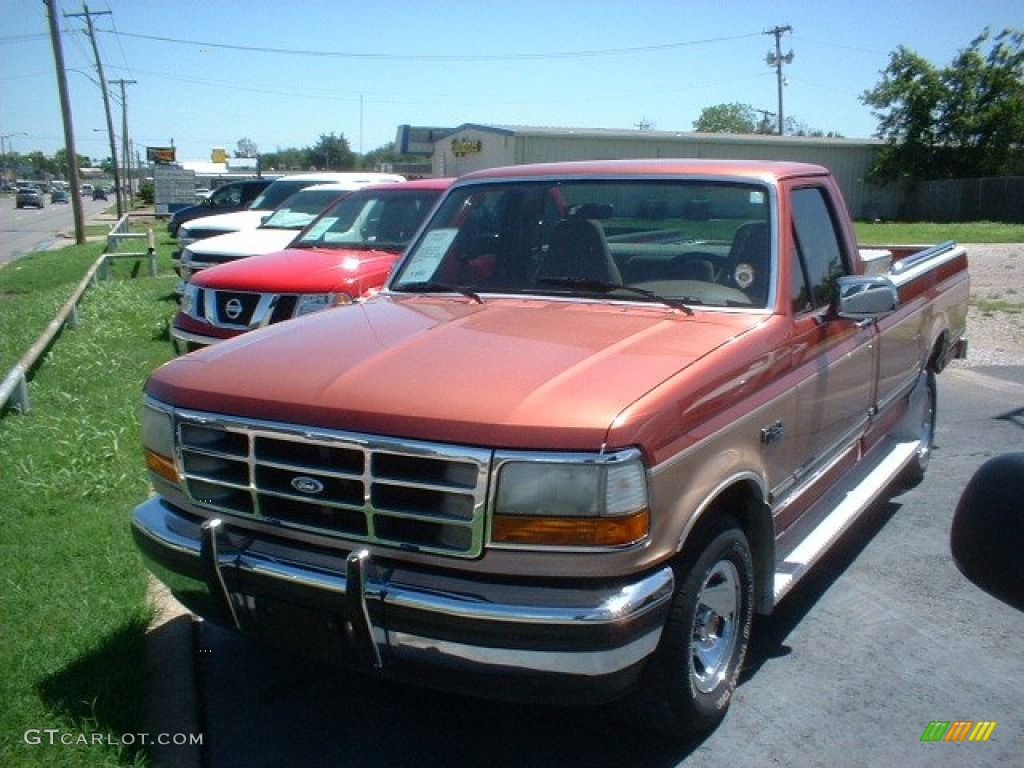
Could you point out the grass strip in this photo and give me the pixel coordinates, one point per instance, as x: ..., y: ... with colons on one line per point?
x: 73, y: 608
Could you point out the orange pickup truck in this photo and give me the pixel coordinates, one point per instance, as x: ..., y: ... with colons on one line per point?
x: 600, y: 415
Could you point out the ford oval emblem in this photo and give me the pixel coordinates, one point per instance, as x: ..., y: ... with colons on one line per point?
x: 308, y: 485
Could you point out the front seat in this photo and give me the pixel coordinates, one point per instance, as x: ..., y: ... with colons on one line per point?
x: 578, y: 250
x: 750, y: 261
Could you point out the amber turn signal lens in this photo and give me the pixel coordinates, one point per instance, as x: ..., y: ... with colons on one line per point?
x: 162, y: 466
x: 571, y: 531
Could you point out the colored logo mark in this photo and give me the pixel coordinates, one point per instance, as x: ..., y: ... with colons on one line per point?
x: 958, y: 730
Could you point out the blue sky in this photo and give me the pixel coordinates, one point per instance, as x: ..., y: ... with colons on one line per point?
x: 211, y: 72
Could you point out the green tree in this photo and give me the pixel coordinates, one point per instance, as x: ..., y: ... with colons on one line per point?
x: 963, y: 120
x: 727, y: 118
x: 332, y: 153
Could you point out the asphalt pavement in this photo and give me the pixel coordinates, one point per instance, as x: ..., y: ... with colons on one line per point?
x: 885, y: 636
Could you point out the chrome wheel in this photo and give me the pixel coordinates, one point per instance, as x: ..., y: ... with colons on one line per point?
x: 715, y: 626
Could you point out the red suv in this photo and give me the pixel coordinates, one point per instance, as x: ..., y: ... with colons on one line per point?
x: 343, y: 255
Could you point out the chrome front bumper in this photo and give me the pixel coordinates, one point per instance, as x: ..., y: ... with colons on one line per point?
x: 576, y: 641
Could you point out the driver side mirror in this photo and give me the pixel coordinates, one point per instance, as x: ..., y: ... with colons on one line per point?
x: 865, y: 297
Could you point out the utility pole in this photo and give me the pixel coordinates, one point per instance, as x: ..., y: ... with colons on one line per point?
x: 69, y: 131
x: 776, y: 59
x: 125, y: 148
x: 106, y: 101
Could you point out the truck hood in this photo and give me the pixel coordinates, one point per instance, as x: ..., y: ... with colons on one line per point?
x: 296, y: 270
x: 517, y: 373
x: 247, y: 242
x: 229, y: 222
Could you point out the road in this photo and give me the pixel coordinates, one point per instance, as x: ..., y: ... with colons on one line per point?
x: 883, y: 638
x: 23, y: 230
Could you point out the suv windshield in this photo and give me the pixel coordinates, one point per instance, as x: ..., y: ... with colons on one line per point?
x: 384, y: 219
x: 702, y: 243
x: 301, y: 208
x: 277, y: 192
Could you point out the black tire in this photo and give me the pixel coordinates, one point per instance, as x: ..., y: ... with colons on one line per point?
x: 924, y: 430
x: 687, y: 685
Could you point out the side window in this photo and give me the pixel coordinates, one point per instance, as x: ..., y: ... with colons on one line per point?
x: 226, y: 196
x: 818, y: 246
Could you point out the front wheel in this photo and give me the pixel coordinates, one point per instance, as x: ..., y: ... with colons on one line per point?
x: 688, y: 683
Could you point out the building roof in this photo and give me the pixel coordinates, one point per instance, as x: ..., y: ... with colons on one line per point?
x: 652, y: 135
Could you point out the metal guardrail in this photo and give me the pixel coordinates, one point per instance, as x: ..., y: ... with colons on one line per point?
x: 14, y: 387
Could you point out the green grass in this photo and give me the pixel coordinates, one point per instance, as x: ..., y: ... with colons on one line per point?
x: 929, y: 233
x: 73, y: 608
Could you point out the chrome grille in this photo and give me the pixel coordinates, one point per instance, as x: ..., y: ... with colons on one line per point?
x: 412, y: 495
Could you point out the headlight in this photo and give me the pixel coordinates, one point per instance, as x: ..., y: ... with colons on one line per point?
x: 314, y: 302
x: 158, y: 441
x: 190, y: 300
x: 571, y: 501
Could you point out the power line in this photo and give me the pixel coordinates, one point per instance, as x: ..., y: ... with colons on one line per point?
x: 432, y: 57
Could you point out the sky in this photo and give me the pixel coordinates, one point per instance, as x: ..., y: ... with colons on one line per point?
x: 209, y: 73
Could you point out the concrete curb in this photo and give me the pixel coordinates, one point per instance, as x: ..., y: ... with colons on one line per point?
x: 172, y: 699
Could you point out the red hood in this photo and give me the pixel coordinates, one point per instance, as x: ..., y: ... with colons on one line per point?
x: 514, y: 373
x: 296, y: 270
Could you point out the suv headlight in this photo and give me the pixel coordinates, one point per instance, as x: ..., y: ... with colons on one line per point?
x: 570, y: 500
x: 158, y: 441
x: 314, y: 302
x: 190, y: 299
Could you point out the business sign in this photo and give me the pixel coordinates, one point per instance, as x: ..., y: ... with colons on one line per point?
x: 160, y: 154
x: 463, y: 147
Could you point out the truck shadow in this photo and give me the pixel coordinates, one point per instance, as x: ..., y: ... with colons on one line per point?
x: 768, y: 640
x: 261, y: 707
x: 258, y: 706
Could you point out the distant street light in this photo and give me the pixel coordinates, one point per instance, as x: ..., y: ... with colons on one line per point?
x: 10, y: 148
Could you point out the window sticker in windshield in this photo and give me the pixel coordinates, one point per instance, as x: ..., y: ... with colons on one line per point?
x: 429, y: 254
x: 317, y: 231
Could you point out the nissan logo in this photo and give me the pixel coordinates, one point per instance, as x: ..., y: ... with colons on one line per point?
x: 307, y: 485
x: 233, y: 309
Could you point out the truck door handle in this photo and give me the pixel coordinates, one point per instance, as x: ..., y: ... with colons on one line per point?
x: 772, y: 433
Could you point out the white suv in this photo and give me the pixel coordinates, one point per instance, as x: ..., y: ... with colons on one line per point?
x: 275, y: 194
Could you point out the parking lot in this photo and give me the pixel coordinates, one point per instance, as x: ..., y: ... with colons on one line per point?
x: 885, y: 637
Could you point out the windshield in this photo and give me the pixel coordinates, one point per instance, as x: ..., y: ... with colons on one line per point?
x: 277, y: 192
x: 301, y: 208
x: 384, y: 219
x: 702, y: 243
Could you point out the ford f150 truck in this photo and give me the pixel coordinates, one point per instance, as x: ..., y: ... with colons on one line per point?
x: 345, y: 254
x: 600, y: 415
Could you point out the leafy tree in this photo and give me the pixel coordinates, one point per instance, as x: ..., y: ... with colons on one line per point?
x: 727, y: 118
x: 246, y: 148
x: 964, y: 120
x: 332, y: 153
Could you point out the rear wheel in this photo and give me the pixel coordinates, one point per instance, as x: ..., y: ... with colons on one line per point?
x: 687, y: 685
x: 924, y: 427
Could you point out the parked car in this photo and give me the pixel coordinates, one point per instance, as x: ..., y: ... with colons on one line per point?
x: 600, y: 415
x: 342, y: 256
x: 268, y: 200
x: 279, y: 229
x: 28, y: 197
x: 60, y: 196
x: 227, y: 198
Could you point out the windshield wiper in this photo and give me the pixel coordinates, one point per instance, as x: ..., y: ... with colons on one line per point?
x: 599, y: 286
x: 432, y: 286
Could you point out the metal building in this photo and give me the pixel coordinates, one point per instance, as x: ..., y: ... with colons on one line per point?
x: 472, y: 147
